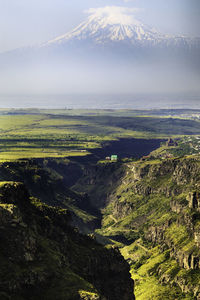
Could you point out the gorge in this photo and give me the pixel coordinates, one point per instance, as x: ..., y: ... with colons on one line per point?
x: 147, y: 209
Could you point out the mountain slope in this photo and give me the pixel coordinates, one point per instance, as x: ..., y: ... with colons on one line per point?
x: 47, y: 181
x: 151, y: 210
x: 109, y: 53
x: 42, y: 257
x: 101, y: 32
x: 104, y: 29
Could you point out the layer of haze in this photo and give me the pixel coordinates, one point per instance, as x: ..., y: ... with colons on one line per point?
x: 24, y: 23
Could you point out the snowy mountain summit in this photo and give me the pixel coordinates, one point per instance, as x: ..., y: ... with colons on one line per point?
x: 110, y: 52
x: 110, y: 24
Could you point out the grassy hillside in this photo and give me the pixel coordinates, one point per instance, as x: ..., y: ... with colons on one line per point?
x: 151, y: 210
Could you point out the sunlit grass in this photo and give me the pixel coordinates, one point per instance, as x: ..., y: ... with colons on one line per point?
x: 37, y: 153
x: 59, y: 133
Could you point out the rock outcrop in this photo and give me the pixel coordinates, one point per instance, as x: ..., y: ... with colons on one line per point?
x: 156, y: 206
x: 43, y: 257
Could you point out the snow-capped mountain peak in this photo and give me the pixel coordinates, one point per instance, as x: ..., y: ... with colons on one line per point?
x: 109, y: 24
x: 113, y: 25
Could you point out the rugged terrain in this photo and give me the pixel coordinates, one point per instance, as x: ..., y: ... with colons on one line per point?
x: 151, y: 210
x: 43, y: 257
x: 148, y: 208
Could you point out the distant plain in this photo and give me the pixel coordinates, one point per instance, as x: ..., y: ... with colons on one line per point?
x: 34, y: 133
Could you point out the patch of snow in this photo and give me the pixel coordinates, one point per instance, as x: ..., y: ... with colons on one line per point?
x: 109, y: 24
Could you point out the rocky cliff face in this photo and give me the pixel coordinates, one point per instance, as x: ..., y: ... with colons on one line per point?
x: 48, y: 180
x: 155, y: 206
x: 150, y: 209
x: 43, y: 257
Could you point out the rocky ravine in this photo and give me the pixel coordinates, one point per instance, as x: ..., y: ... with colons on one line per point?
x: 43, y: 257
x: 150, y: 210
x: 153, y: 209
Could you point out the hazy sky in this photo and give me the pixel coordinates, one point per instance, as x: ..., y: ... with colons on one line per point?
x: 32, y: 22
x: 29, y: 22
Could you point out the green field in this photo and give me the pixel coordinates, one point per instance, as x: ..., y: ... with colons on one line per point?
x: 51, y: 133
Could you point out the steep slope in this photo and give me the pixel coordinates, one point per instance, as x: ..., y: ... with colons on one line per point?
x: 107, y: 26
x: 152, y: 212
x: 48, y: 180
x: 101, y: 30
x: 42, y: 257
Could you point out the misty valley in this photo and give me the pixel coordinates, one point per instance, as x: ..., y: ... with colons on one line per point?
x: 99, y: 204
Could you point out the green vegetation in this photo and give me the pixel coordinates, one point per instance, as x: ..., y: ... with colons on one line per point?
x: 146, y: 215
x: 143, y: 203
x: 45, y: 181
x: 43, y: 257
x: 39, y: 134
x: 145, y: 264
x: 177, y: 234
x: 187, y: 145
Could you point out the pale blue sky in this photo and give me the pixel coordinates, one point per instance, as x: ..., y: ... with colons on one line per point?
x: 29, y: 22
